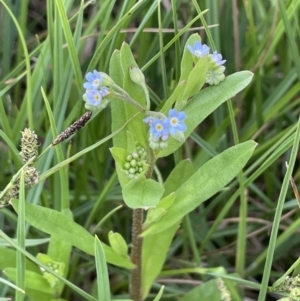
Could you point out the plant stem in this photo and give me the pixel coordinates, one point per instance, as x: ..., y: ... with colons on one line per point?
x: 126, y: 97
x: 136, y: 255
x: 137, y: 241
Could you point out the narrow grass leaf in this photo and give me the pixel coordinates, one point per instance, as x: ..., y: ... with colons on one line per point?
x: 8, y: 283
x: 21, y: 235
x: 12, y: 147
x: 158, y: 296
x: 103, y: 287
x: 71, y: 45
x: 28, y: 67
x: 97, y: 54
x: 278, y: 212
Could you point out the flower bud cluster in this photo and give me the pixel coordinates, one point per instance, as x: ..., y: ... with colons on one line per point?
x: 162, y: 127
x: 133, y: 165
x: 290, y: 285
x: 58, y: 268
x: 215, y: 72
x: 52, y: 266
x: 29, y: 150
x: 29, y: 145
x: 97, y: 90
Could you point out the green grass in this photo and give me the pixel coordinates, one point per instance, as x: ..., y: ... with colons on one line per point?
x: 247, y: 234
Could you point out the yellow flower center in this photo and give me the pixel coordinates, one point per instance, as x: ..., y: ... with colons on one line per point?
x: 174, y: 121
x: 159, y: 127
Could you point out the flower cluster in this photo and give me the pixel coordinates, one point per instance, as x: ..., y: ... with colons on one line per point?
x: 96, y: 90
x: 162, y: 127
x: 215, y: 73
x: 73, y: 128
x: 29, y: 150
x: 224, y: 292
x: 290, y: 285
x: 134, y: 162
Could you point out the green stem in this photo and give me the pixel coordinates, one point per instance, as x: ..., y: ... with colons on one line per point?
x: 126, y: 97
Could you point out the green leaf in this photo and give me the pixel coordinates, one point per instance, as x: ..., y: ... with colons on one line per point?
x: 158, y: 296
x: 8, y: 260
x: 176, y: 95
x: 117, y: 106
x: 62, y: 228
x: 60, y: 250
x: 119, y: 154
x: 156, y: 247
x: 187, y: 61
x: 208, y: 291
x: 120, y: 65
x: 181, y: 173
x: 102, y: 273
x: 118, y: 243
x: 206, y: 101
x: 33, y: 280
x: 204, y: 183
x: 142, y: 193
x: 137, y: 93
x: 166, y: 202
x: 155, y: 214
x: 131, y: 147
x: 196, y: 78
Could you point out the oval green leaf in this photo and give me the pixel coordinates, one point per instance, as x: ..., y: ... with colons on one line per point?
x: 204, y: 183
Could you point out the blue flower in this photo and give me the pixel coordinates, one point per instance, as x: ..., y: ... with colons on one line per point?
x: 217, y: 58
x: 198, y: 49
x: 149, y: 120
x: 176, y: 123
x: 162, y: 127
x: 94, y: 80
x: 94, y: 97
x: 159, y: 128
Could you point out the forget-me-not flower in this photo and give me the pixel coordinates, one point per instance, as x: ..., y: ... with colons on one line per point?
x: 198, y: 49
x: 215, y: 71
x: 162, y: 127
x: 217, y: 58
x: 149, y: 120
x: 97, y: 90
x: 176, y: 121
x: 94, y: 97
x: 94, y: 80
x: 159, y: 128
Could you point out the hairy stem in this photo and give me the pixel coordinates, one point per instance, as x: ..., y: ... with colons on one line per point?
x: 136, y: 255
x: 137, y: 241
